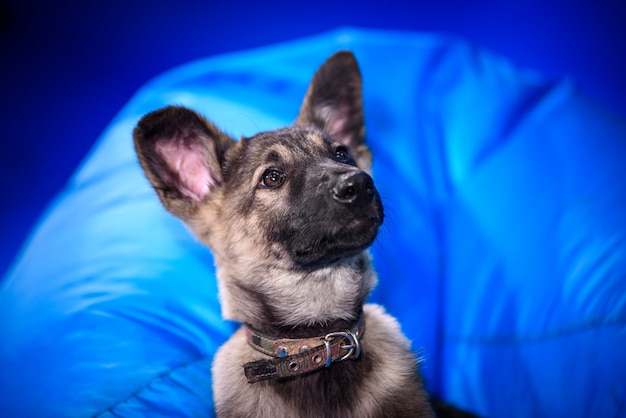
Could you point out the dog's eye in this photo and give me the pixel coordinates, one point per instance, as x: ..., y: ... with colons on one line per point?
x: 343, y: 156
x: 272, y: 178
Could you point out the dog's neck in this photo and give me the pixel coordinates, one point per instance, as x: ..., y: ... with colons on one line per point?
x: 297, y: 304
x: 304, y: 331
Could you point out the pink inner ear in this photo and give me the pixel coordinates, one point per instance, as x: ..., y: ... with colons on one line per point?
x: 335, y: 120
x: 191, y: 165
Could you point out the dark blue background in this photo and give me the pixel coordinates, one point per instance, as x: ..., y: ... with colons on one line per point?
x: 66, y: 67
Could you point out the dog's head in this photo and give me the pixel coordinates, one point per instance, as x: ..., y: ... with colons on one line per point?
x: 287, y: 213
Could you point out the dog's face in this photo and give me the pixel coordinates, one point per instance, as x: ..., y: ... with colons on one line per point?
x: 282, y: 207
x: 303, y: 196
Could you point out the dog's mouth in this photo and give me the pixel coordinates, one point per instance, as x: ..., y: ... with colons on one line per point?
x: 340, y: 242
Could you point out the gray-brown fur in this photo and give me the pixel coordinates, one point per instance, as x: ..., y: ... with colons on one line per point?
x: 289, y: 215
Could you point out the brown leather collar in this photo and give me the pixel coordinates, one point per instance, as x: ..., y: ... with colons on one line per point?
x: 296, y: 356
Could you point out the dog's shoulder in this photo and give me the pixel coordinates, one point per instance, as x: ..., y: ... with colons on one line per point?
x: 394, y: 375
x: 382, y: 326
x: 233, y: 395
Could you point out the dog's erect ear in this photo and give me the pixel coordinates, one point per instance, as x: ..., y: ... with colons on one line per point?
x: 333, y: 101
x: 182, y: 155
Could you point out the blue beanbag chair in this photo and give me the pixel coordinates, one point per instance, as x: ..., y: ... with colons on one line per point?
x: 503, y: 255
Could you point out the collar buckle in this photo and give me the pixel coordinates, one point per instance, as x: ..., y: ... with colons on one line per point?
x: 353, y: 346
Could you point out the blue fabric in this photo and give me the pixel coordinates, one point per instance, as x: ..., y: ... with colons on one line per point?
x: 503, y: 255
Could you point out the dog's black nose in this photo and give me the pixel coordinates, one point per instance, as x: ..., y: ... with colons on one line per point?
x: 354, y: 189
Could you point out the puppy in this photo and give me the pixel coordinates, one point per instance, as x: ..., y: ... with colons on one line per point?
x: 289, y: 215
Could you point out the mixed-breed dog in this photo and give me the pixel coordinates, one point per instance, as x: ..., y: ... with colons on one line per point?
x: 289, y: 216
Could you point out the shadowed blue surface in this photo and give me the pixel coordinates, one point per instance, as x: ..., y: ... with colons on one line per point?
x: 503, y: 255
